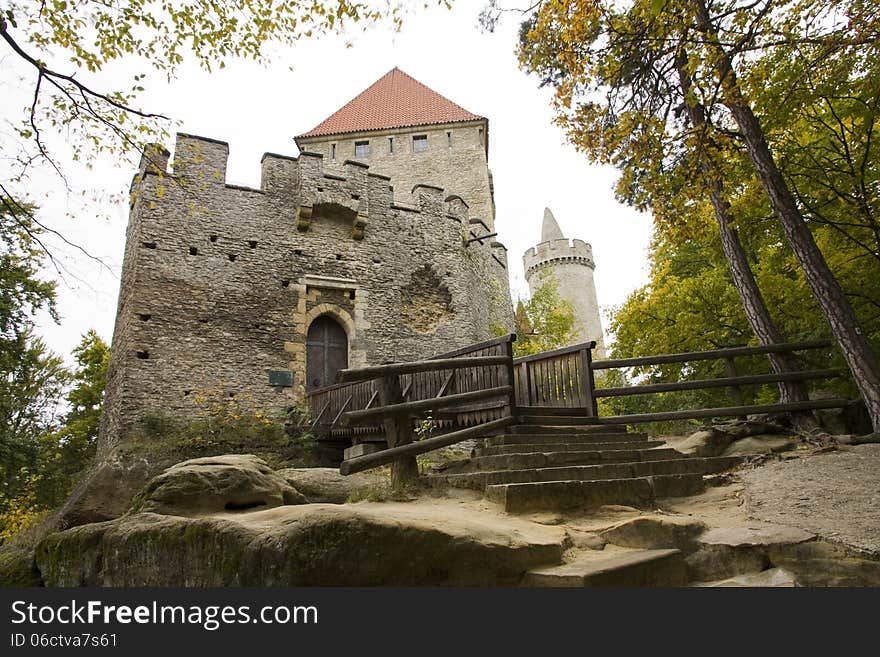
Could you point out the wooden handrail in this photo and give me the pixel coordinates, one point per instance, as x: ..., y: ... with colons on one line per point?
x: 726, y: 382
x: 391, y: 454
x: 708, y: 355
x: 417, y: 367
x: 510, y: 337
x: 406, y: 408
x: 556, y: 352
x: 728, y: 411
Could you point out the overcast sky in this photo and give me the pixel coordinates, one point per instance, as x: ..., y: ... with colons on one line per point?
x: 259, y: 109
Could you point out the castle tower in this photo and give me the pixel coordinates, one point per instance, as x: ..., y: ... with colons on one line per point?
x: 570, y: 262
x: 409, y: 132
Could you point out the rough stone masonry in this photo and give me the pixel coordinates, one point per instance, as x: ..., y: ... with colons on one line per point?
x: 220, y: 283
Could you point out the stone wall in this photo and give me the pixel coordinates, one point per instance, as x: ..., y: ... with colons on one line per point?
x: 220, y: 282
x: 455, y: 159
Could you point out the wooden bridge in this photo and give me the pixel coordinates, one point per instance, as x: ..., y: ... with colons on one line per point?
x: 482, y: 389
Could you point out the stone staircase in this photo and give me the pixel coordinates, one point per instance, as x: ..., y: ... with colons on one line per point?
x: 552, y: 462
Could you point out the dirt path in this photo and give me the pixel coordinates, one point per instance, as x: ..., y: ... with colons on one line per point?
x: 835, y: 495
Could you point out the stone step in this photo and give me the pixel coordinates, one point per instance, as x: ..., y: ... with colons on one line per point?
x: 550, y: 410
x: 772, y: 578
x: 624, y: 568
x: 544, y: 459
x: 579, y: 438
x: 560, y: 420
x: 539, y: 448
x: 559, y: 495
x: 546, y: 427
x: 680, y: 466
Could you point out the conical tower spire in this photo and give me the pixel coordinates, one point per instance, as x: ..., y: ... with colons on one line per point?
x: 550, y: 229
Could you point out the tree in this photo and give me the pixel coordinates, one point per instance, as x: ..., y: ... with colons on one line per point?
x: 64, y: 48
x: 545, y: 321
x: 65, y: 454
x: 625, y: 75
x: 31, y: 378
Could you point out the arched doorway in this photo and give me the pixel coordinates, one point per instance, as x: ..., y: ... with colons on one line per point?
x: 326, y: 352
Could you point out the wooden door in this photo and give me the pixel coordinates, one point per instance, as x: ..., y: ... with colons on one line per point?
x: 326, y: 352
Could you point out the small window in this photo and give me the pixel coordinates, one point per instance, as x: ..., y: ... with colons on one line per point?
x: 333, y: 152
x: 420, y: 143
x: 391, y: 145
x: 362, y: 149
x: 449, y: 139
x: 481, y: 136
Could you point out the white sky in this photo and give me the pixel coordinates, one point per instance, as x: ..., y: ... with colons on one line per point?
x: 259, y: 109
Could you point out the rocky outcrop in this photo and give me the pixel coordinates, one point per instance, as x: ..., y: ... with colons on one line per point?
x: 307, y: 545
x: 233, y: 482
x: 738, y: 438
x: 327, y: 486
x: 105, y: 492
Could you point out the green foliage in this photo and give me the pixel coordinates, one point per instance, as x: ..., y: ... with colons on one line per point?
x: 811, y: 73
x: 229, y: 423
x: 545, y: 321
x: 45, y: 452
x: 70, y: 46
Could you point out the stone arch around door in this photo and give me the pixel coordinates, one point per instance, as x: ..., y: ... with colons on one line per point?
x: 327, y: 349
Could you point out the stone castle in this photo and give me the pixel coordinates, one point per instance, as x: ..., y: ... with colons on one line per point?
x: 376, y: 243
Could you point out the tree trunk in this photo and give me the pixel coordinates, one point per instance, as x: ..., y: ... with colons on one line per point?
x: 398, y: 431
x: 757, y: 313
x: 845, y: 326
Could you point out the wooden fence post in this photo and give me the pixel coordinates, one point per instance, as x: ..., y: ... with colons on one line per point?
x: 736, y: 395
x: 507, y: 347
x: 588, y: 383
x: 398, y: 431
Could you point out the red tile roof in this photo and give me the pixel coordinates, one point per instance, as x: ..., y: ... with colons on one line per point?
x: 396, y: 100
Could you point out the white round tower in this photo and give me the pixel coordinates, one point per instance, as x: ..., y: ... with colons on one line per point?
x: 571, y: 263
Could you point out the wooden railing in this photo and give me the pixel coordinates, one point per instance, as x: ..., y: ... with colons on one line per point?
x: 472, y: 387
x: 562, y: 378
x: 732, y: 382
x: 481, y: 388
x: 327, y: 405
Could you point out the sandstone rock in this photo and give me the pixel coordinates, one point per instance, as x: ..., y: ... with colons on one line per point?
x: 17, y: 567
x: 233, y: 482
x: 715, y: 562
x: 706, y: 442
x: 761, y: 444
x: 821, y: 563
x: 104, y: 492
x: 770, y: 578
x: 306, y: 545
x: 713, y: 441
x: 327, y: 486
x: 655, y: 532
x: 755, y: 534
x: 586, y: 540
x: 851, y: 419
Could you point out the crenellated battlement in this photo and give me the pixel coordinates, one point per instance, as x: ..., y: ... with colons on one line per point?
x: 352, y: 192
x: 558, y: 251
